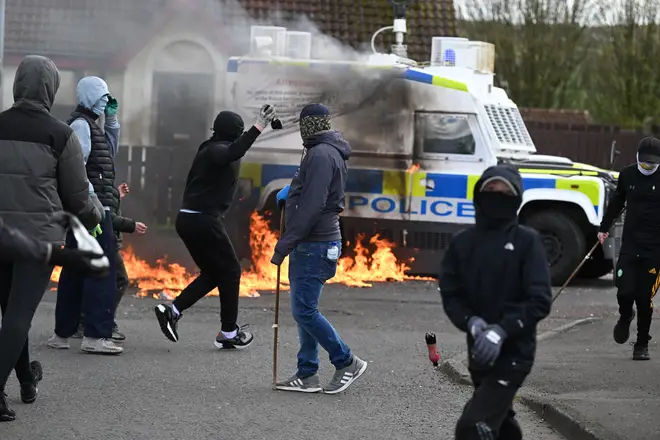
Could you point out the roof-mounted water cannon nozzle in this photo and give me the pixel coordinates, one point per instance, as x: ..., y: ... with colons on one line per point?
x: 399, y: 28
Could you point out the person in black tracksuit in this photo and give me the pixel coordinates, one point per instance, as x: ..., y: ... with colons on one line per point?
x: 495, y: 286
x: 209, y: 191
x: 637, y: 275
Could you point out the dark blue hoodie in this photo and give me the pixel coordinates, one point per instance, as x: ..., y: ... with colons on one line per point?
x: 316, y: 196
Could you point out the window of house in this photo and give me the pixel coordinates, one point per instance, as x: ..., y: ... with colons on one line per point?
x: 444, y: 133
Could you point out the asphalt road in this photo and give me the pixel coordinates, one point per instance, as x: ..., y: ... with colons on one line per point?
x: 161, y: 390
x: 592, y: 378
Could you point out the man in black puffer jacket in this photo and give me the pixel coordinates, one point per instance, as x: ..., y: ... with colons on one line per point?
x: 495, y: 286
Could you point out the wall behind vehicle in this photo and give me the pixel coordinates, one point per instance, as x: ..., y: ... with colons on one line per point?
x: 590, y: 144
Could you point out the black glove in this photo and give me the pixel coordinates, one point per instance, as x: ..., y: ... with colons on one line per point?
x: 80, y: 261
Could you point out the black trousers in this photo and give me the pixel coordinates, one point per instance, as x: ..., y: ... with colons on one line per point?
x: 122, y: 285
x: 122, y: 280
x: 207, y: 241
x: 93, y: 296
x: 22, y: 285
x: 637, y: 280
x: 489, y: 414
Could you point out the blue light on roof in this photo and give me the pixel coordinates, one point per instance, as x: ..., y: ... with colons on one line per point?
x: 449, y: 58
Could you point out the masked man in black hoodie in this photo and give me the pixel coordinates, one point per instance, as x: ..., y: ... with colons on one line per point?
x: 495, y: 286
x: 208, y: 194
x: 312, y: 240
x: 638, y: 269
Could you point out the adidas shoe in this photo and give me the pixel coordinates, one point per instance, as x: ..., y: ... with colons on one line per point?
x: 168, y: 319
x: 346, y: 376
x: 309, y: 384
x: 240, y: 341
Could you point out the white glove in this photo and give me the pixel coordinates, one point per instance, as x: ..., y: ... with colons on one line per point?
x: 266, y: 116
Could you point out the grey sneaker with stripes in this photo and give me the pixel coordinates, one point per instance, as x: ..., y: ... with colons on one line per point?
x: 346, y: 376
x: 309, y: 384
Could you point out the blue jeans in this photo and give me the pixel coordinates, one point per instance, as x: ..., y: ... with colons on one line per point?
x: 311, y: 264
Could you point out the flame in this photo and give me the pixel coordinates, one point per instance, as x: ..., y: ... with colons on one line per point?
x: 413, y: 168
x: 166, y: 280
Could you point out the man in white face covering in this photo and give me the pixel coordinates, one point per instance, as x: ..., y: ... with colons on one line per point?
x: 638, y: 269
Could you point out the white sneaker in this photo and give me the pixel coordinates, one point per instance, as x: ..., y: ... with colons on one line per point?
x: 100, y: 346
x: 59, y: 343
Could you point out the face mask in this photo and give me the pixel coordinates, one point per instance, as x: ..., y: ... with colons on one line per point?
x: 495, y: 209
x: 311, y: 125
x: 99, y: 107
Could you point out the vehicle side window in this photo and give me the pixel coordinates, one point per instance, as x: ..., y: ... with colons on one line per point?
x: 444, y: 133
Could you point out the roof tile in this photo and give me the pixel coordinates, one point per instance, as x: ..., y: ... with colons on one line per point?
x: 102, y: 29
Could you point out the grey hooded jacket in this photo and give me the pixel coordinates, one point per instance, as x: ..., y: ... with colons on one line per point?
x: 41, y: 164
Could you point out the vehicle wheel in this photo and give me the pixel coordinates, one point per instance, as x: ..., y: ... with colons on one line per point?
x: 597, y: 266
x: 564, y: 243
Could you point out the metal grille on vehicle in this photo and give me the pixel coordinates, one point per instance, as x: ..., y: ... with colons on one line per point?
x: 508, y: 125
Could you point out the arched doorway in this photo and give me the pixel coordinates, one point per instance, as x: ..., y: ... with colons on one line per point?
x: 183, y: 94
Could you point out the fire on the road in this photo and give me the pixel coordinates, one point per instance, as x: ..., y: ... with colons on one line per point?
x: 168, y: 279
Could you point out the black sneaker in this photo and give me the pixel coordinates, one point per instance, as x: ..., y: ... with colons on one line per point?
x: 641, y: 350
x: 240, y: 341
x: 6, y: 413
x: 622, y: 329
x: 29, y: 390
x: 168, y: 320
x: 117, y: 336
x: 641, y: 353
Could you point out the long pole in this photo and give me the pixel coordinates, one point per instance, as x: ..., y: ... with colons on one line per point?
x: 584, y: 260
x: 277, y: 308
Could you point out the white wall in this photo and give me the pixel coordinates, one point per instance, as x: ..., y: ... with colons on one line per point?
x: 180, y: 47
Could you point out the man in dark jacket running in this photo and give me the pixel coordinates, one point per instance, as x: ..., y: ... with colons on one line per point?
x: 41, y: 173
x: 495, y: 286
x: 637, y: 275
x: 312, y: 240
x: 209, y: 191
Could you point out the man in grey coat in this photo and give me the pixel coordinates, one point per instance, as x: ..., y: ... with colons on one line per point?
x: 41, y: 173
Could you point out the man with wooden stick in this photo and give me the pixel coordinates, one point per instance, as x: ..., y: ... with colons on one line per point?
x: 312, y: 240
x: 637, y: 274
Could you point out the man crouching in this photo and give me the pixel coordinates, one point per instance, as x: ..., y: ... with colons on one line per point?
x: 495, y: 286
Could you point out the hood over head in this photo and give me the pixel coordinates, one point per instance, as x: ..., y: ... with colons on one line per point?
x: 228, y: 126
x: 330, y: 137
x: 36, y: 82
x: 92, y: 94
x: 494, y: 209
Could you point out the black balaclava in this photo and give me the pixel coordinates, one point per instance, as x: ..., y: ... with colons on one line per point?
x: 495, y: 209
x: 228, y: 126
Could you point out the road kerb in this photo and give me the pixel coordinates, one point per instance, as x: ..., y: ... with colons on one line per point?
x: 559, y: 419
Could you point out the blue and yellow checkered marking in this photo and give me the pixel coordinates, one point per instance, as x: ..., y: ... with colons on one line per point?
x: 398, y: 183
x: 410, y: 74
